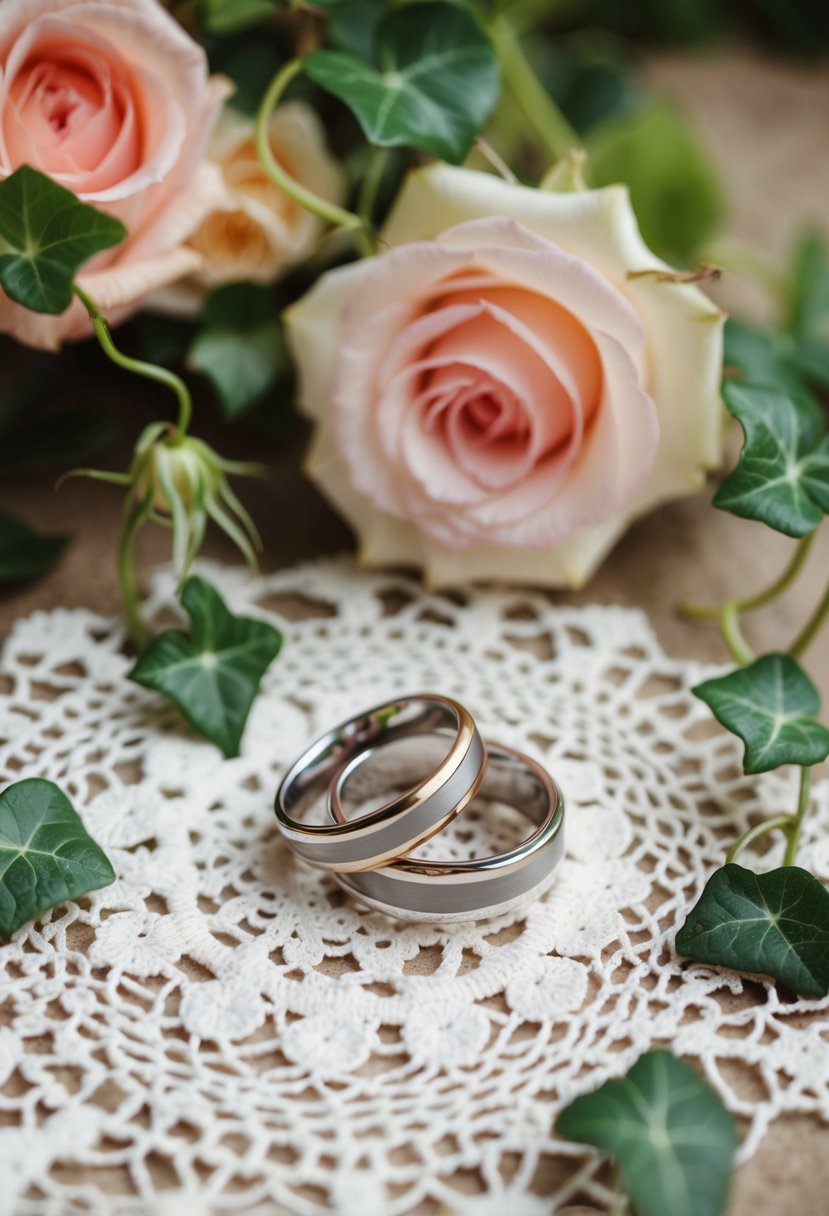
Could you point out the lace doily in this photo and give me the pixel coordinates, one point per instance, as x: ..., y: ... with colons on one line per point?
x: 222, y: 1030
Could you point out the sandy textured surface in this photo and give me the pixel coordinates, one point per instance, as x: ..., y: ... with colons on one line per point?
x: 766, y: 124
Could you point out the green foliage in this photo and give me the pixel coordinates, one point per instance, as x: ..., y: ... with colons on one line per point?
x: 213, y: 673
x: 25, y: 554
x: 808, y: 320
x: 435, y: 82
x: 673, y: 188
x: 46, y: 235
x: 230, y: 16
x: 46, y: 855
x: 671, y: 1136
x: 782, y: 477
x: 250, y: 61
x: 773, y: 924
x: 761, y: 356
x: 240, y: 347
x: 352, y: 26
x: 587, y: 77
x: 771, y: 705
x: 162, y: 339
x: 63, y: 436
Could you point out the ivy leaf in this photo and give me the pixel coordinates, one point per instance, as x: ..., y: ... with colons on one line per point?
x: 46, y: 855
x: 671, y: 1136
x: 673, y: 188
x: 435, y: 85
x: 213, y: 673
x: 782, y: 478
x: 352, y: 26
x: 46, y: 234
x: 771, y: 705
x: 240, y: 347
x: 773, y: 924
x: 25, y: 554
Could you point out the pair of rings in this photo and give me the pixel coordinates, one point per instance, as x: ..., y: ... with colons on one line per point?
x: 369, y: 852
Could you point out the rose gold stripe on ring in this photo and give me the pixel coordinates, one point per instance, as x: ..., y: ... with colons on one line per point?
x: 407, y: 820
x: 449, y: 891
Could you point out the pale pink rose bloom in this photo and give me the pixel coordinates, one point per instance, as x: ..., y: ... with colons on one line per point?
x: 113, y: 101
x: 254, y: 231
x: 257, y: 232
x: 494, y: 396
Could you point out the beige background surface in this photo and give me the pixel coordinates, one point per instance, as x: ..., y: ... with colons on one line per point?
x: 766, y: 124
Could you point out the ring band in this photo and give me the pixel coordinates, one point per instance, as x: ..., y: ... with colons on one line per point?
x: 407, y: 821
x: 411, y: 889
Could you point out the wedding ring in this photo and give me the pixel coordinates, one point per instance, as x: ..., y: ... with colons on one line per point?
x: 458, y: 890
x: 406, y: 821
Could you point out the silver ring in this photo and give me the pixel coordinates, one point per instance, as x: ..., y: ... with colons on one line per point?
x: 446, y: 891
x: 396, y: 827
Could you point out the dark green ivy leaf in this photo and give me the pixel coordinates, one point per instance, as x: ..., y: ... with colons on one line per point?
x: 212, y: 673
x: 669, y: 1133
x: 46, y: 855
x: 46, y: 235
x: 435, y: 84
x: 771, y: 705
x: 773, y: 924
x: 782, y: 478
x: 352, y: 26
x: 25, y: 554
x: 240, y: 347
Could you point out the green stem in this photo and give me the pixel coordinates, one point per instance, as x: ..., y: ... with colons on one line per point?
x: 539, y: 109
x: 134, y: 516
x: 796, y: 825
x: 802, y: 550
x: 783, y: 822
x: 713, y: 612
x: 812, y: 627
x: 367, y: 200
x: 327, y: 211
x: 151, y: 371
x: 738, y: 648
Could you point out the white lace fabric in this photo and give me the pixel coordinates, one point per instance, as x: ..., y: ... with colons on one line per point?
x: 223, y: 1030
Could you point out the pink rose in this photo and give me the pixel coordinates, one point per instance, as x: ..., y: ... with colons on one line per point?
x: 495, y: 397
x: 113, y: 101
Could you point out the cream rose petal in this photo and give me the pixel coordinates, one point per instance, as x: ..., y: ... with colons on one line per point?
x: 676, y: 352
x: 599, y: 226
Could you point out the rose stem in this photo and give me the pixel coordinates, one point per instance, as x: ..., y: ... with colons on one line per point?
x: 151, y: 371
x: 543, y: 115
x: 329, y: 212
